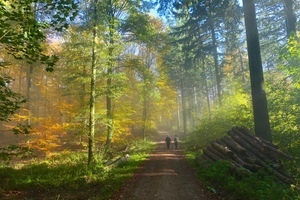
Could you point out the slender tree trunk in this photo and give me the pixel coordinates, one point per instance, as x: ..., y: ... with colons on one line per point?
x: 28, y: 96
x: 109, y: 95
x: 178, y: 114
x: 109, y: 113
x: 29, y: 78
x: 290, y: 16
x: 242, y: 66
x: 206, y: 87
x: 259, y: 100
x: 145, y: 109
x: 195, y: 107
x: 183, y: 106
x: 92, y: 92
x: 82, y: 105
x: 216, y: 63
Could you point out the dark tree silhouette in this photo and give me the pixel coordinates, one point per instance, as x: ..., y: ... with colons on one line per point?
x: 260, y: 110
x: 291, y: 18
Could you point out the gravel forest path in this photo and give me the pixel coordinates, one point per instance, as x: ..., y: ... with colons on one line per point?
x: 164, y: 175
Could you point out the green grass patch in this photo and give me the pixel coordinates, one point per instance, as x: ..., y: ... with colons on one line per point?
x: 67, y: 176
x: 218, y: 178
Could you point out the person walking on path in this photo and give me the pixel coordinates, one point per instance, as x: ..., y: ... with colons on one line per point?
x: 176, y: 140
x: 168, y: 141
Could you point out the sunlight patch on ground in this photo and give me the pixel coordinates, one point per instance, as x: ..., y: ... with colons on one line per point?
x: 162, y: 172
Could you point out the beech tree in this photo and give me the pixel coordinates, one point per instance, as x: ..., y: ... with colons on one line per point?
x: 109, y: 25
x: 22, y: 36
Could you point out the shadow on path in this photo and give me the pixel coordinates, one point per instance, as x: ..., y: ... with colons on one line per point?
x: 164, y: 175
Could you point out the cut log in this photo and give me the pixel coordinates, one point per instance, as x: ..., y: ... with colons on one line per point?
x: 262, y: 147
x: 234, y: 146
x: 238, y: 160
x: 254, y: 143
x: 117, y: 161
x: 247, y: 152
x: 238, y: 170
x: 223, y: 150
x: 267, y: 146
x: 252, y: 167
x: 215, y: 151
x: 277, y: 152
x: 246, y: 131
x: 249, y: 146
x: 212, y: 155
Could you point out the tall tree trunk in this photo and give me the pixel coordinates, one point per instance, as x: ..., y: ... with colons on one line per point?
x: 178, y: 114
x: 242, y: 66
x: 109, y: 95
x: 29, y: 78
x: 206, y: 87
x: 28, y: 96
x: 259, y: 100
x: 183, y: 106
x: 92, y: 92
x: 290, y: 16
x: 109, y: 113
x: 195, y: 107
x: 216, y: 63
x: 82, y: 105
x: 145, y: 109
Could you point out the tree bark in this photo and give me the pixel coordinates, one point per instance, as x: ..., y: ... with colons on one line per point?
x: 183, y: 106
x: 259, y: 100
x: 145, y: 107
x: 206, y: 87
x: 109, y: 93
x: 178, y: 113
x: 92, y: 92
x: 290, y: 16
x: 216, y: 63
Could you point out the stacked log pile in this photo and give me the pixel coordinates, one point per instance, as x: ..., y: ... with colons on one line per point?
x: 247, y: 153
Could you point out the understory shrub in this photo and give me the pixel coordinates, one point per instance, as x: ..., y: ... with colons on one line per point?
x: 258, y: 186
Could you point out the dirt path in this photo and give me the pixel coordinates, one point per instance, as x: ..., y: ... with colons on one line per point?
x: 164, y: 175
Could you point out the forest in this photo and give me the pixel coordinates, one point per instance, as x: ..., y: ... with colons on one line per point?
x: 83, y: 81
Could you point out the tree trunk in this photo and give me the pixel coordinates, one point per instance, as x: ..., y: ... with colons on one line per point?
x: 242, y: 66
x: 29, y: 79
x: 109, y: 106
x: 28, y: 96
x: 92, y: 92
x: 260, y: 110
x: 145, y: 108
x: 183, y: 106
x: 206, y: 87
x: 178, y: 114
x: 109, y: 114
x: 290, y: 16
x: 195, y: 107
x: 216, y: 63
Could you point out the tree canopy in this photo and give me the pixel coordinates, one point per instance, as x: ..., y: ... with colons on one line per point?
x: 138, y: 72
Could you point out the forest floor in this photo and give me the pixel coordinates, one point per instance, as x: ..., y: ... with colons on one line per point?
x: 165, y: 175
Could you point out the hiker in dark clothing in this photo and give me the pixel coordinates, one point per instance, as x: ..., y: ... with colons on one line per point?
x: 168, y: 141
x: 176, y: 140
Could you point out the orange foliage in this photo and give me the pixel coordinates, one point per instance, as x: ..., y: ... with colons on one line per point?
x: 46, y: 136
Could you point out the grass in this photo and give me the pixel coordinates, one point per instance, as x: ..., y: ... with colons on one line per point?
x: 67, y: 176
